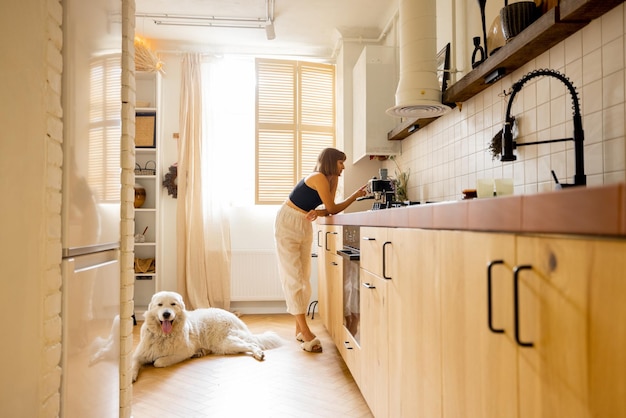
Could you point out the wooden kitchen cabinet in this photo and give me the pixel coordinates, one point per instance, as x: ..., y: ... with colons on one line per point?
x: 374, y: 377
x: 607, y: 333
x: 414, y: 328
x: 476, y: 324
x: 479, y: 365
x: 555, y: 359
x: 330, y: 294
x: 570, y: 298
x: 405, y: 351
x: 330, y: 278
x: 372, y: 242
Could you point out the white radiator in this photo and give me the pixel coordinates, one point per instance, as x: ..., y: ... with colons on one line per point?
x: 254, y: 276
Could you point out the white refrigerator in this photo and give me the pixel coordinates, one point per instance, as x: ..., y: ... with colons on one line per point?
x: 91, y: 98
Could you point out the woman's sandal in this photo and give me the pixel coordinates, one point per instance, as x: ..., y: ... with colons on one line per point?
x: 299, y: 337
x: 313, y: 346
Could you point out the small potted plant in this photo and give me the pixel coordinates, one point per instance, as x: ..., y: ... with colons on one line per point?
x: 401, y: 182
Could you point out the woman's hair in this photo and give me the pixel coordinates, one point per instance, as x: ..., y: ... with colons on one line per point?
x: 327, y: 161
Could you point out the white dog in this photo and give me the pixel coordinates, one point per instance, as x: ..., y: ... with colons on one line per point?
x: 171, y: 334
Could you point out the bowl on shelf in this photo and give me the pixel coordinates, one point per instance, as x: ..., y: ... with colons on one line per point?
x: 140, y: 195
x: 495, y: 37
x: 516, y: 17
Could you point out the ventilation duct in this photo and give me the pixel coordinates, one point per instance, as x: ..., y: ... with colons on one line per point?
x: 418, y: 94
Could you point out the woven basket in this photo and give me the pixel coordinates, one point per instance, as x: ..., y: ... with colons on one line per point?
x: 146, y: 171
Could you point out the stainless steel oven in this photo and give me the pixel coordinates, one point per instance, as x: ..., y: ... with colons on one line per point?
x: 350, y: 252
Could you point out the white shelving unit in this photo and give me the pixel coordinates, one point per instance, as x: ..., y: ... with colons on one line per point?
x: 147, y: 216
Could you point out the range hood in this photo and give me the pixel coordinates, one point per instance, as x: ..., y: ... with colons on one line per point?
x: 418, y: 94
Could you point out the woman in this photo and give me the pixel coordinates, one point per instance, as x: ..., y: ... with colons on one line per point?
x: 294, y: 235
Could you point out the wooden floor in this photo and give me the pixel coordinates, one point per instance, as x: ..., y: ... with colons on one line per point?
x: 289, y: 383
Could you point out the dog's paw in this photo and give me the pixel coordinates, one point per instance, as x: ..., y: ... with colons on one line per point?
x: 259, y: 355
x: 161, y: 362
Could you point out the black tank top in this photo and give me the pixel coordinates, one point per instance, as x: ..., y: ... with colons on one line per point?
x: 304, y: 197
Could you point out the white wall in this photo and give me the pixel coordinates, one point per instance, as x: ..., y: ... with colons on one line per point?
x: 168, y: 147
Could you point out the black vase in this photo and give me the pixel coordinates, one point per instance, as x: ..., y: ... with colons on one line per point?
x: 516, y: 17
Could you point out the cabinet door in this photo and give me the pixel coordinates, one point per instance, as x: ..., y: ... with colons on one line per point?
x: 332, y: 238
x: 414, y: 324
x: 334, y: 274
x: 372, y: 249
x: 350, y: 351
x: 553, y: 277
x: 374, y: 341
x: 322, y: 278
x: 479, y: 365
x: 607, y: 332
x: 329, y: 277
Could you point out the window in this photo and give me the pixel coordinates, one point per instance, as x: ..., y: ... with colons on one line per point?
x: 228, y: 129
x: 295, y: 120
x: 105, y: 128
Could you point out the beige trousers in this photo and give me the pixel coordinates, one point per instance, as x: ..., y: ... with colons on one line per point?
x: 294, y: 237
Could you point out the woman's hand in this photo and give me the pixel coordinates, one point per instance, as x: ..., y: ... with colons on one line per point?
x: 312, y: 215
x: 362, y: 191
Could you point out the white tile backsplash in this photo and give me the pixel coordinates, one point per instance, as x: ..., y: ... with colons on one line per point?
x: 613, y: 56
x: 452, y: 152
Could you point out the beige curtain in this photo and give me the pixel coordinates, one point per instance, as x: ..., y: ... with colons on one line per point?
x: 203, y: 232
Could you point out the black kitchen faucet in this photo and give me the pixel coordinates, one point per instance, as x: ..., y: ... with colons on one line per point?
x: 508, y: 144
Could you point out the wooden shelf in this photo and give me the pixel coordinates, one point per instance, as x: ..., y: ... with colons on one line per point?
x: 542, y: 35
x: 581, y: 10
x: 407, y: 127
x: 551, y: 28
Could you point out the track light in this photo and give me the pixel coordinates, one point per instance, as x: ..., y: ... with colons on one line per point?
x: 266, y: 22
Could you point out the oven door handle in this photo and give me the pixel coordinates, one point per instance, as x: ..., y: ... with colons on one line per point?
x: 349, y: 255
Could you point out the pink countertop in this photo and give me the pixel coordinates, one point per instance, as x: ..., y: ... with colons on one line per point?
x: 597, y: 210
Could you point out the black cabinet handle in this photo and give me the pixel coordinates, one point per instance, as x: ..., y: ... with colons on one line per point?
x: 326, y: 244
x: 368, y: 239
x: 384, y: 261
x: 489, y: 299
x: 516, y: 272
x: 318, y: 238
x: 347, y: 345
x: 368, y: 286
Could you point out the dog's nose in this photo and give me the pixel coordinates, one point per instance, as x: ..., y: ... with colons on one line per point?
x: 166, y: 314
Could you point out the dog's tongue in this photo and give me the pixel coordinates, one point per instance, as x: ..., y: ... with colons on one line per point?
x: 166, y: 326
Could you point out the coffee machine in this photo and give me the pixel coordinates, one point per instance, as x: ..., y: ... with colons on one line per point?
x: 382, y: 190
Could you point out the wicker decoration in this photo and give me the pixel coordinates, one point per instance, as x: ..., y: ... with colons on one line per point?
x: 148, y: 170
x: 145, y: 58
